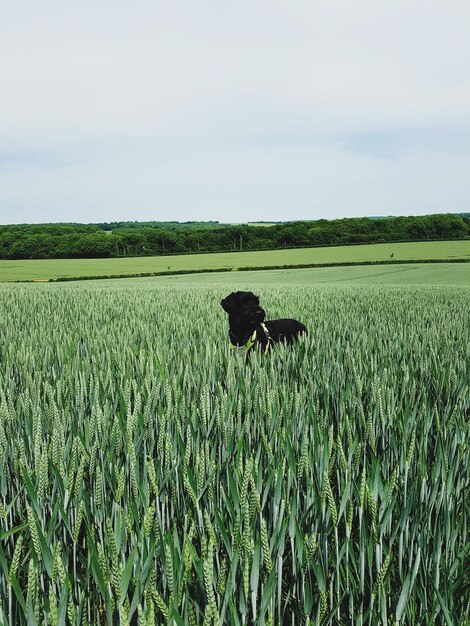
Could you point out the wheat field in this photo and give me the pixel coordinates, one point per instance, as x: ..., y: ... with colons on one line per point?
x: 150, y: 476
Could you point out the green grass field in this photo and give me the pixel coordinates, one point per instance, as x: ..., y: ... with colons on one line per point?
x: 56, y: 268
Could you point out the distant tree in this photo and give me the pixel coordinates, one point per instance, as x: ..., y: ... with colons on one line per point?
x: 418, y: 229
x: 135, y: 238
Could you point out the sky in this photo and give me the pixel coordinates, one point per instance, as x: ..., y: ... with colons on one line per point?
x: 233, y: 111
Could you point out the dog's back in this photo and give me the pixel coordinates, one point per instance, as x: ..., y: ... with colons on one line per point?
x: 285, y: 330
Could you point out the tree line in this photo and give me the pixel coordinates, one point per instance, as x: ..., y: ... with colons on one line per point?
x: 52, y: 241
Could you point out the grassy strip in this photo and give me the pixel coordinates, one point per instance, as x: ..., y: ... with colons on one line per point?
x: 244, y: 269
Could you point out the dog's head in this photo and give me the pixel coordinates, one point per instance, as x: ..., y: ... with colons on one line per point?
x: 244, y: 314
x: 239, y: 301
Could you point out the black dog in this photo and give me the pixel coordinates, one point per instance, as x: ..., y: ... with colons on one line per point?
x: 247, y: 325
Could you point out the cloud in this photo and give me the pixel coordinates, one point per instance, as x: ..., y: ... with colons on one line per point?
x: 214, y: 110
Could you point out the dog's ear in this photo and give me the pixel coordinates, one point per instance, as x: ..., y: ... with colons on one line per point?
x: 230, y: 302
x: 226, y: 304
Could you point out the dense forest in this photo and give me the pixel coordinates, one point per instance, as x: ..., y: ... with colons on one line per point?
x: 118, y: 239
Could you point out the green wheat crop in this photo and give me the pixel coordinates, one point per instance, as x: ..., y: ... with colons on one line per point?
x: 150, y: 476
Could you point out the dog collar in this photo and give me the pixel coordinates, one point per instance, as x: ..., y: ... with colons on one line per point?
x: 246, y: 346
x: 252, y: 340
x: 268, y: 336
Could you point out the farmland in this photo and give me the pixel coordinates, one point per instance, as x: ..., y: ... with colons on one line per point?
x: 457, y: 274
x: 402, y: 252
x: 150, y: 476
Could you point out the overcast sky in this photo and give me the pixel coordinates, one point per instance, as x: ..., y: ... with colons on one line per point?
x: 233, y: 111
